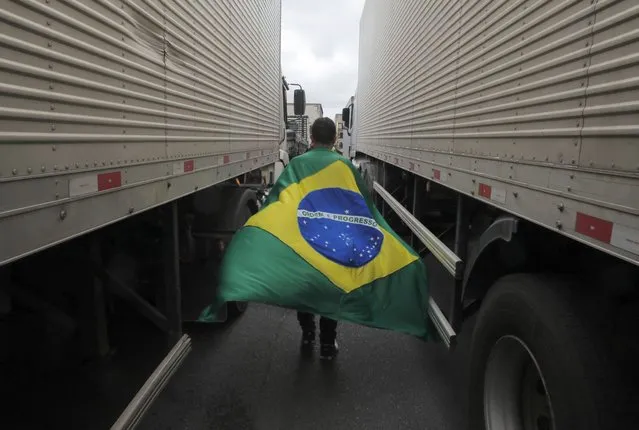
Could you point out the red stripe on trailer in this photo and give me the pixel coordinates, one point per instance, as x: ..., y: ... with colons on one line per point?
x: 189, y: 166
x: 437, y: 174
x: 107, y: 181
x: 485, y: 190
x: 227, y: 159
x: 593, y: 227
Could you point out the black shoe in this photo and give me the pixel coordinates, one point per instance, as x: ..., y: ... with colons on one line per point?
x: 328, y: 351
x: 308, y: 338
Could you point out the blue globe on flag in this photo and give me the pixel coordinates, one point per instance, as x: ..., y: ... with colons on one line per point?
x: 338, y: 224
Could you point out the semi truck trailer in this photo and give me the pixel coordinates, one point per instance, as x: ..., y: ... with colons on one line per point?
x: 502, y: 138
x: 133, y: 134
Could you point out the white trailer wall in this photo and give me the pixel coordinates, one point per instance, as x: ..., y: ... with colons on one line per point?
x: 531, y: 106
x: 111, y: 107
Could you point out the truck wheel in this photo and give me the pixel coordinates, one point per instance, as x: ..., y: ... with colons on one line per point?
x: 236, y: 308
x: 534, y: 364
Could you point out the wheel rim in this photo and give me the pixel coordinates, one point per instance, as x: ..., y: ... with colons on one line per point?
x: 515, y: 393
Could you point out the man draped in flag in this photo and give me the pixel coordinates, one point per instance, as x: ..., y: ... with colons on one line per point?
x: 320, y: 246
x: 323, y: 136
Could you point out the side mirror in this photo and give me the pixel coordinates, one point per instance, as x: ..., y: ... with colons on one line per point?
x: 346, y: 117
x: 285, y: 105
x: 299, y: 102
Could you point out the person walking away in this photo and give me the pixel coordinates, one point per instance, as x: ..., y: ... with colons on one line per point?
x: 342, y: 259
x: 323, y: 137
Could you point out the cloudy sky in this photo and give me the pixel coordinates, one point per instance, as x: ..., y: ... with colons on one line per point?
x: 319, y: 49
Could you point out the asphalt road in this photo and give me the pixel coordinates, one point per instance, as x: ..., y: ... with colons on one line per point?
x: 251, y: 374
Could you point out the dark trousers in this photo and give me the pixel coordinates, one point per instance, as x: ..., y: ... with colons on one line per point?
x: 328, y: 327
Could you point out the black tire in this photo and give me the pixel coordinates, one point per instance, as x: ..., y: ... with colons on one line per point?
x: 545, y: 315
x: 236, y: 308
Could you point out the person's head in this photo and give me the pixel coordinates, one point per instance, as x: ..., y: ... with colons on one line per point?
x: 323, y: 133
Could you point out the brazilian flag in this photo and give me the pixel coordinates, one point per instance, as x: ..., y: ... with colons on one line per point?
x: 319, y: 245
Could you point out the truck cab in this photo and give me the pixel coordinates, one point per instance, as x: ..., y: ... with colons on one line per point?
x: 289, y: 145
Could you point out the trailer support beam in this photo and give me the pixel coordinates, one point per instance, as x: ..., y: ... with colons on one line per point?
x: 119, y: 289
x: 414, y: 210
x: 461, y: 245
x: 95, y: 318
x: 172, y: 287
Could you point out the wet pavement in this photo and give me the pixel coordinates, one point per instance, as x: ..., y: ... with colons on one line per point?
x: 251, y: 374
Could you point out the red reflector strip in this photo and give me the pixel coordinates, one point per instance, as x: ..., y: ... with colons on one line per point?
x: 594, y: 227
x: 437, y: 174
x: 227, y: 159
x: 485, y: 190
x: 189, y: 166
x: 107, y: 181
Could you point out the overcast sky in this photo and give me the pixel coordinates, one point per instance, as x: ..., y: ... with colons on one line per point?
x: 319, y: 49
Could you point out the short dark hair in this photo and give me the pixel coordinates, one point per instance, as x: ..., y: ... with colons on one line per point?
x: 323, y: 131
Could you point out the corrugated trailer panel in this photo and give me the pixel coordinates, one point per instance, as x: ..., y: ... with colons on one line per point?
x: 523, y: 95
x: 111, y: 107
x: 611, y: 116
x: 535, y: 100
